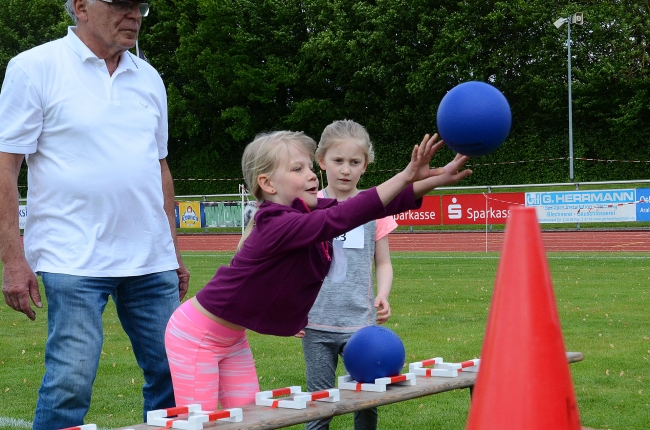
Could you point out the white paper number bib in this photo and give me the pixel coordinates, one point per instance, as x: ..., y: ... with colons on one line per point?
x: 353, y: 238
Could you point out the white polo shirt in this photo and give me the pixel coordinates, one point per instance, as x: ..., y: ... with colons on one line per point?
x: 93, y: 144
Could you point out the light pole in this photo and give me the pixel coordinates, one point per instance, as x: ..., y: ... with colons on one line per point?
x: 576, y: 18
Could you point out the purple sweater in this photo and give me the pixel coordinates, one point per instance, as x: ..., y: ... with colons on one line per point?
x: 273, y: 281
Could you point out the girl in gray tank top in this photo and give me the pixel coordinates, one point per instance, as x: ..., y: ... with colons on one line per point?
x: 347, y: 300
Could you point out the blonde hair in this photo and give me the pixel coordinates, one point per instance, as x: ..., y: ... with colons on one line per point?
x: 262, y: 156
x: 343, y: 130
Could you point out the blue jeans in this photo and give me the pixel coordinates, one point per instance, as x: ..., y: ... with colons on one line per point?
x: 75, y: 335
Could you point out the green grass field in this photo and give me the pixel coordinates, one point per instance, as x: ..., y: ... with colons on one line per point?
x: 440, y: 304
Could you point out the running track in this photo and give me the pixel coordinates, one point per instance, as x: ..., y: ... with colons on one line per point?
x: 554, y: 241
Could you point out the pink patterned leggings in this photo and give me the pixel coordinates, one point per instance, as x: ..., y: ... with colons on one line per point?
x: 210, y: 363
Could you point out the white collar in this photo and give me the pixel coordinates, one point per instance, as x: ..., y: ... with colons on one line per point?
x: 84, y: 53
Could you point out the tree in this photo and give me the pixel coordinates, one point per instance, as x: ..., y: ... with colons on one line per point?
x: 234, y: 74
x: 24, y: 25
x: 237, y: 68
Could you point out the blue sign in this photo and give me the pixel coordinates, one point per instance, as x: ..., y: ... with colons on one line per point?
x: 643, y: 204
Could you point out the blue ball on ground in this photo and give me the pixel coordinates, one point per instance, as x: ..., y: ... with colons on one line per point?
x: 474, y: 118
x: 373, y: 352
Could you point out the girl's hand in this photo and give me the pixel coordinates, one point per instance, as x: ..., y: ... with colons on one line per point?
x: 448, y: 175
x: 418, y: 173
x: 300, y: 334
x: 451, y: 172
x: 383, y: 309
x: 418, y: 169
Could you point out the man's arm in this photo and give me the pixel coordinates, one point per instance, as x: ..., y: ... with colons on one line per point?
x: 19, y: 282
x: 168, y: 193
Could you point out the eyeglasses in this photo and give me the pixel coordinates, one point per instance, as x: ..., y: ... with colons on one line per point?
x: 126, y: 6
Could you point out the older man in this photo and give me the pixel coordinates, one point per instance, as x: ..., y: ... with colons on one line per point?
x: 90, y: 118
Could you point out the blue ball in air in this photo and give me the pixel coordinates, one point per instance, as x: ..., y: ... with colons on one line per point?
x: 474, y: 118
x: 373, y: 352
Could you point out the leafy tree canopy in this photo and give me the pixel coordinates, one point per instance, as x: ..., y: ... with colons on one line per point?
x: 237, y: 68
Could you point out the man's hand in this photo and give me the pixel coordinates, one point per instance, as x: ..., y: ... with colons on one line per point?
x: 183, y: 278
x: 19, y: 285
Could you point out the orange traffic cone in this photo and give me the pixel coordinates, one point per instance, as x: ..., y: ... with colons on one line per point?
x: 524, y: 380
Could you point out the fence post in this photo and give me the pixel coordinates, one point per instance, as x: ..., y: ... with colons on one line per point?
x: 206, y: 224
x: 242, y: 191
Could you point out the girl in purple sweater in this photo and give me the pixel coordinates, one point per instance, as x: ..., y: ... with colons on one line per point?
x: 285, y: 254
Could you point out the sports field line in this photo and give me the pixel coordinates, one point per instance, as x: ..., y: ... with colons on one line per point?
x: 395, y: 256
x: 496, y: 257
x: 14, y: 423
x: 20, y: 424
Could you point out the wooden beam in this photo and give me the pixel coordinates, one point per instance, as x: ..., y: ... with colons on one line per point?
x: 261, y: 417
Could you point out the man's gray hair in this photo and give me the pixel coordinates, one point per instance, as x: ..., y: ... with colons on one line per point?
x: 69, y: 7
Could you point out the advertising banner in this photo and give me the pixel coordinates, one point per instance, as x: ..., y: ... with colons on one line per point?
x: 584, y: 206
x: 428, y: 214
x: 22, y: 216
x: 189, y: 214
x: 226, y: 214
x: 479, y: 208
x: 643, y: 205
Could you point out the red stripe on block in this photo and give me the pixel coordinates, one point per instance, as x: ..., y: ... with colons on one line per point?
x: 168, y: 424
x: 428, y: 373
x: 281, y: 392
x: 218, y: 415
x: 468, y: 363
x: 275, y: 404
x: 320, y: 395
x: 429, y: 362
x: 177, y: 411
x: 72, y: 428
x: 399, y: 378
x: 358, y: 387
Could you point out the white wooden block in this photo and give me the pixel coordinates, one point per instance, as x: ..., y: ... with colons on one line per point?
x: 299, y: 399
x: 442, y: 369
x: 193, y: 417
x: 347, y: 383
